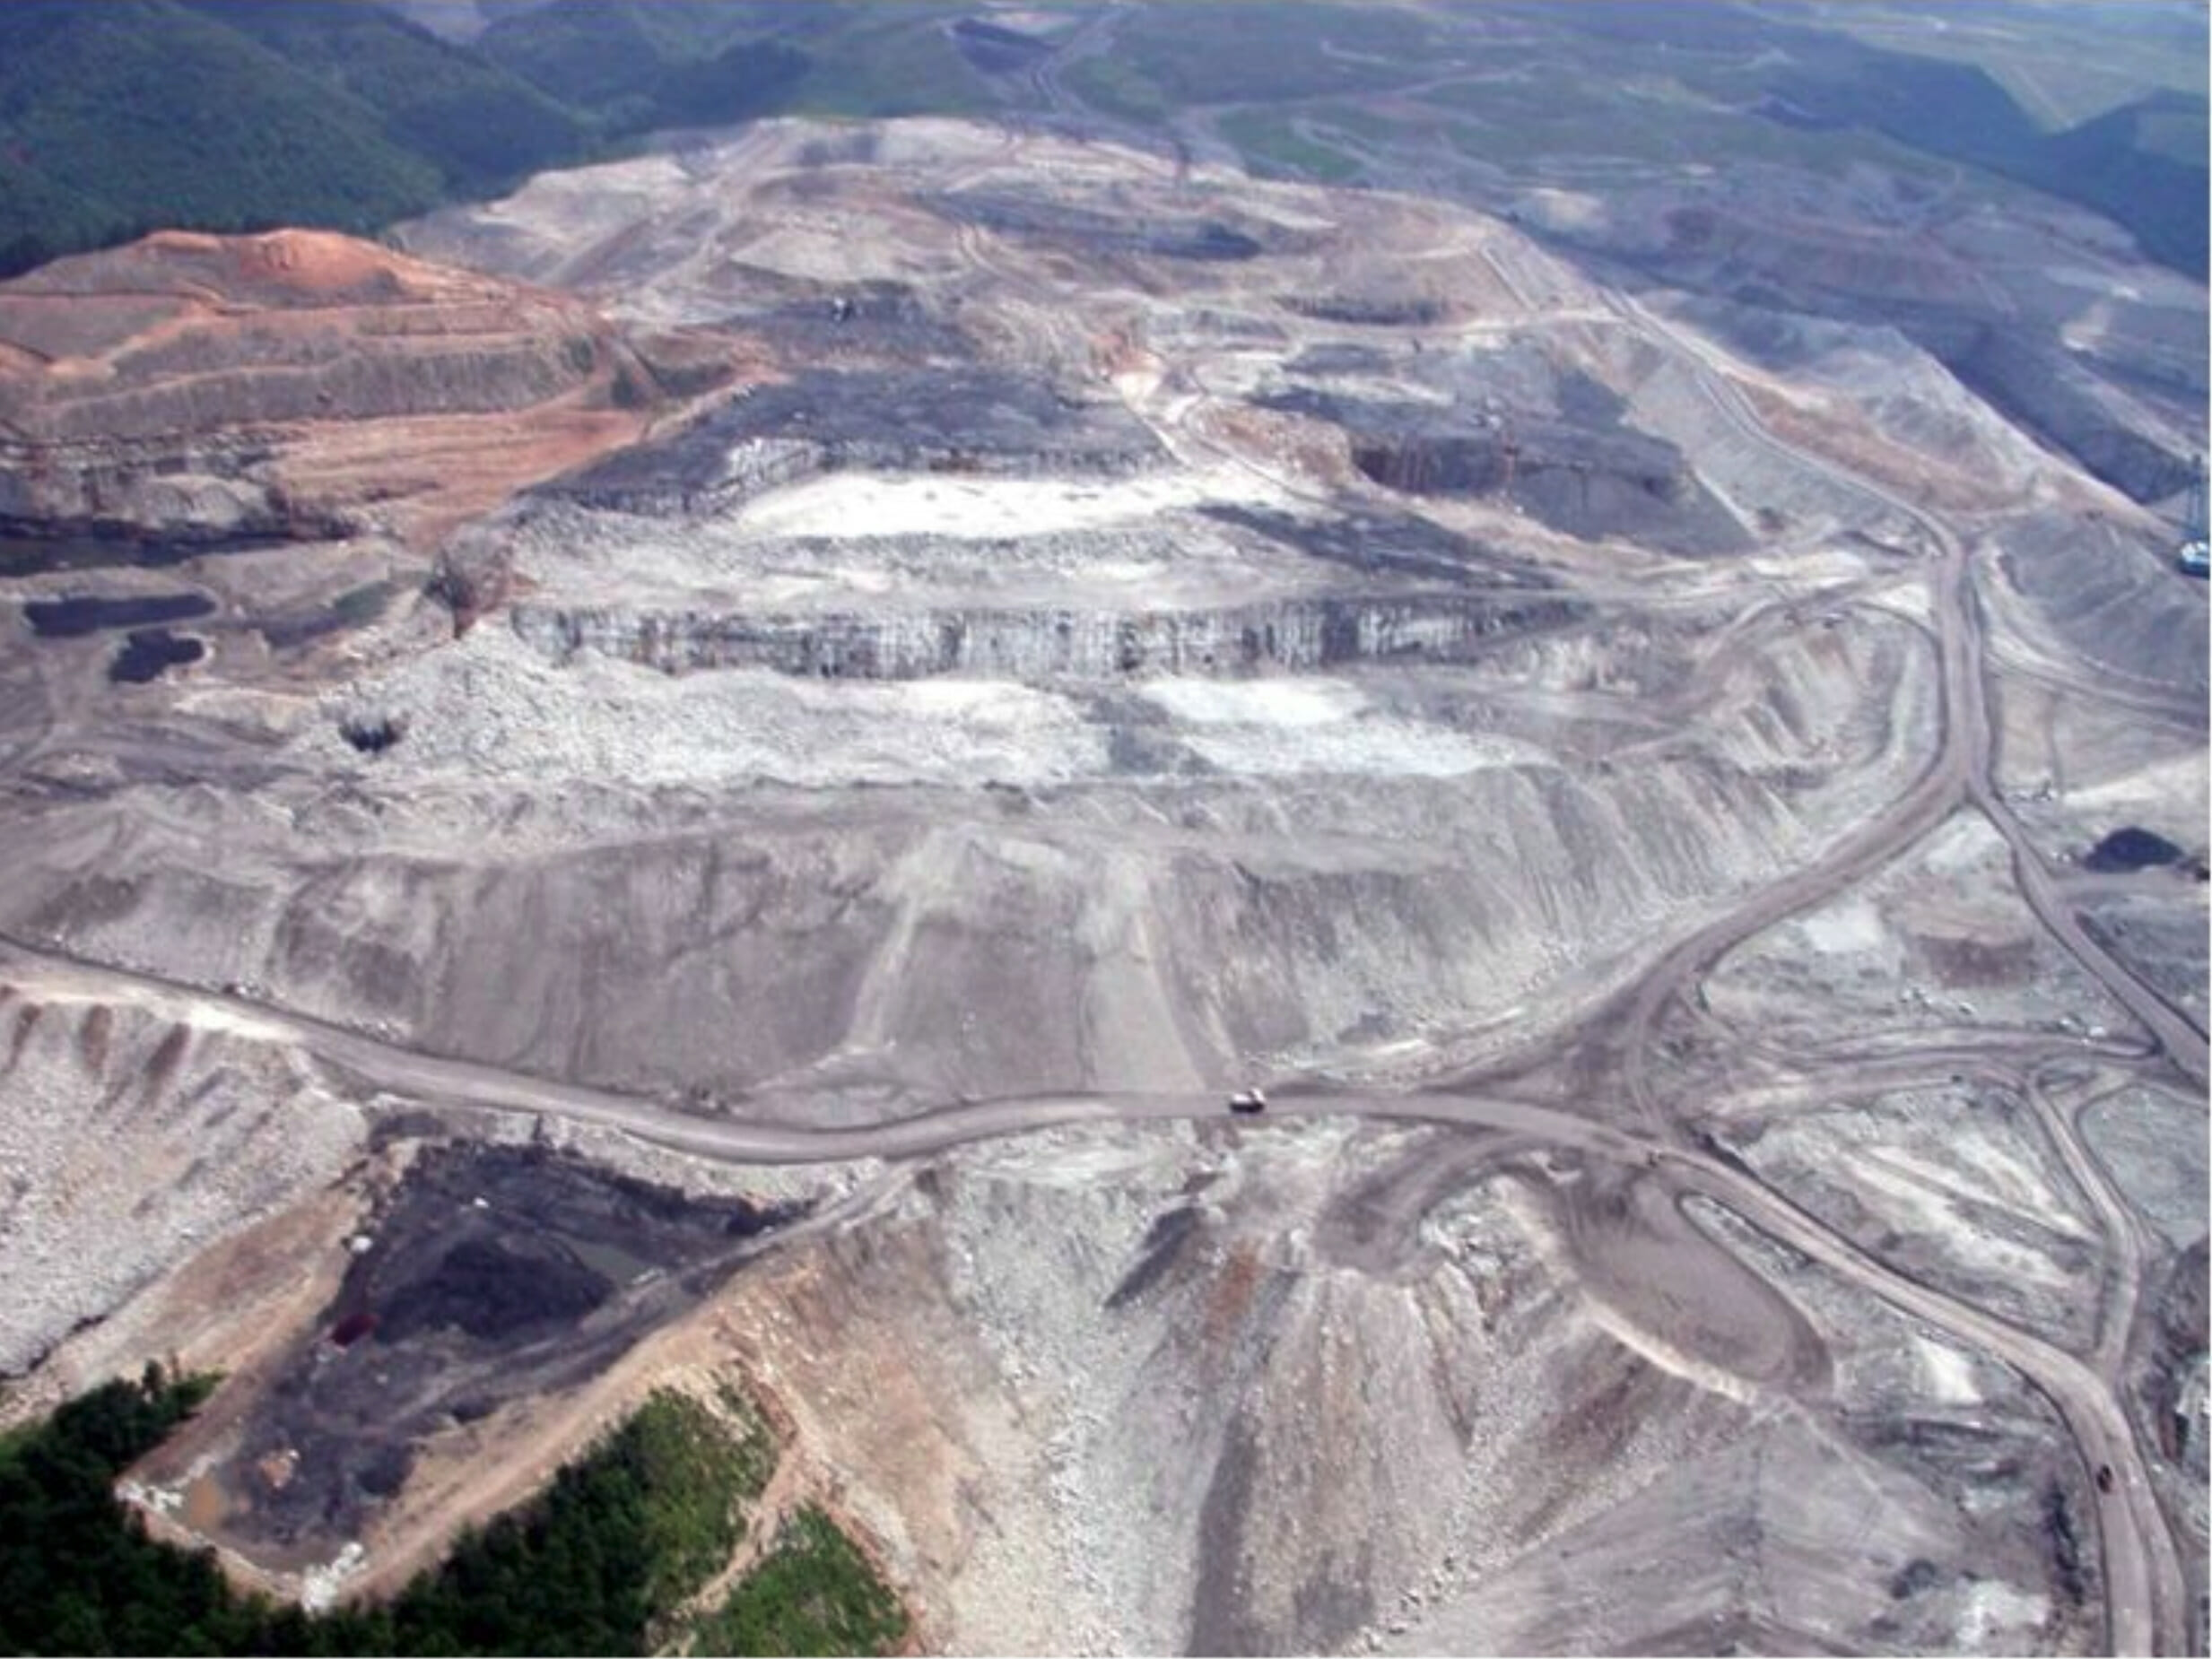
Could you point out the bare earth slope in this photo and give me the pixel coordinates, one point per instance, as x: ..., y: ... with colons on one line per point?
x: 197, y: 385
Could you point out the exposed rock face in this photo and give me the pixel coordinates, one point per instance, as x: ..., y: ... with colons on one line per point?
x: 1092, y: 233
x: 1258, y: 894
x: 1028, y: 645
x: 294, y: 383
x: 1581, y: 472
x: 1577, y: 481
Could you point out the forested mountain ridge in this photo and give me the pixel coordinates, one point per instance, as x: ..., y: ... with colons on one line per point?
x: 130, y: 116
x: 118, y: 117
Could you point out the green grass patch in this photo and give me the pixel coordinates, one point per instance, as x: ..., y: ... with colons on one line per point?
x: 357, y: 607
x: 1116, y: 88
x: 1273, y: 145
x: 1266, y: 51
x: 1512, y: 120
x: 752, y: 1453
x: 1358, y: 123
x: 815, y: 1593
x: 885, y: 63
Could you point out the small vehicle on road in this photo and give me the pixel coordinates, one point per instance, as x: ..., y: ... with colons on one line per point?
x: 1248, y: 1102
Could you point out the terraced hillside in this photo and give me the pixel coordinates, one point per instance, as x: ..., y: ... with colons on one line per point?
x: 1076, y: 633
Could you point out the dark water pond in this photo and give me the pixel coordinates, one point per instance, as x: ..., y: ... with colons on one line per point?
x: 80, y: 614
x: 2131, y: 848
x: 148, y: 653
x: 24, y: 555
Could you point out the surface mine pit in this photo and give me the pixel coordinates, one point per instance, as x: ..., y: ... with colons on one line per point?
x: 938, y: 655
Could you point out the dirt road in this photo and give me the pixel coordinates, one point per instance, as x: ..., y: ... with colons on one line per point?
x: 1605, y: 1052
x: 2143, y: 1584
x: 2142, y: 1566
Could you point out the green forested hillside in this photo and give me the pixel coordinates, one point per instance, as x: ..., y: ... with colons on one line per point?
x: 75, y: 1577
x: 484, y: 127
x: 635, y: 66
x: 2142, y: 165
x: 118, y: 117
x: 601, y: 1563
x: 132, y: 114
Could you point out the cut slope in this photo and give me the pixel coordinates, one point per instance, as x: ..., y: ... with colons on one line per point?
x: 199, y: 384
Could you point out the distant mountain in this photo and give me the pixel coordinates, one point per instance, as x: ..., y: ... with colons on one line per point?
x: 482, y: 126
x: 459, y: 19
x: 126, y: 115
x: 2143, y: 164
x: 119, y: 116
x: 635, y: 63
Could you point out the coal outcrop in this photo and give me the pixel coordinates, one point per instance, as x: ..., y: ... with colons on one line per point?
x: 493, y: 1289
x: 1591, y: 479
x: 496, y: 1274
x: 149, y: 653
x: 954, y: 421
x: 1087, y: 231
